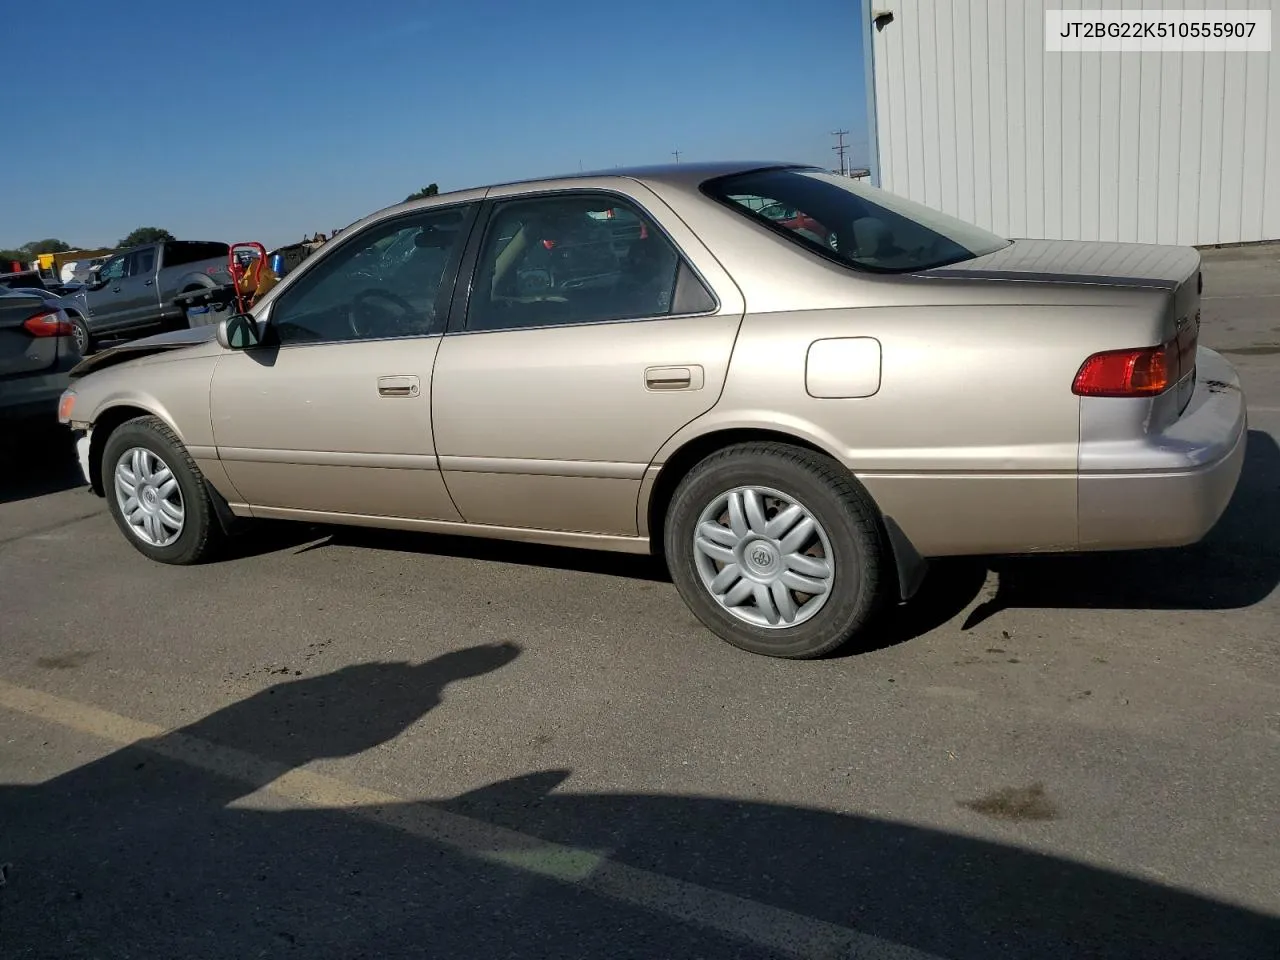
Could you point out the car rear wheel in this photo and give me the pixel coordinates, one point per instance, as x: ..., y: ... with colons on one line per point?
x: 80, y: 332
x: 156, y: 493
x: 776, y: 549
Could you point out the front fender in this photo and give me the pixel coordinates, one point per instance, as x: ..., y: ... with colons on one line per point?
x: 174, y: 389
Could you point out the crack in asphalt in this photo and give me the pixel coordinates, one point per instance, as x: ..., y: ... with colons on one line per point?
x: 5, y: 541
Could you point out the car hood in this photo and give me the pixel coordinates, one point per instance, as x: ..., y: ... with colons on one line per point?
x: 1080, y: 261
x: 135, y: 349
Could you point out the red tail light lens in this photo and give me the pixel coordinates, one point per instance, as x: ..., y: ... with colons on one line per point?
x: 1143, y: 372
x: 49, y: 325
x: 1128, y: 373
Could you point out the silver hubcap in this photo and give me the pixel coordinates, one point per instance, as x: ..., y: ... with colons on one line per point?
x: 763, y: 557
x: 149, y: 497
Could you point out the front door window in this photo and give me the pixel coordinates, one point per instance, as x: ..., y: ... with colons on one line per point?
x: 385, y: 282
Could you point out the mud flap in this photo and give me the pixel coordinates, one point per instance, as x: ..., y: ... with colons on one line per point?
x: 910, y: 565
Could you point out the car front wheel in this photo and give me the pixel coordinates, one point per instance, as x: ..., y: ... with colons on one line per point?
x: 156, y: 493
x: 777, y: 550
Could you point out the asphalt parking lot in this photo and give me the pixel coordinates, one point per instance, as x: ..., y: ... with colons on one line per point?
x: 355, y: 744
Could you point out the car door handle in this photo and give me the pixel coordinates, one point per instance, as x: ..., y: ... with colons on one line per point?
x: 399, y: 387
x: 148, y: 283
x: 115, y: 289
x: 673, y: 378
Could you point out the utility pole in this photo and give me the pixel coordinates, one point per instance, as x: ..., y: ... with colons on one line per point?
x: 676, y: 154
x: 840, y: 149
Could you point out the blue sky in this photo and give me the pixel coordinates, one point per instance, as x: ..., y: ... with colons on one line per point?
x: 323, y: 111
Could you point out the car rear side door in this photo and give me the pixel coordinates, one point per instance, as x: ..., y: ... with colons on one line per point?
x: 578, y: 352
x: 333, y: 417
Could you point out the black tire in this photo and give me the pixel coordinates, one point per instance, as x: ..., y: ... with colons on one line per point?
x: 201, y: 534
x: 834, y: 498
x: 84, y: 339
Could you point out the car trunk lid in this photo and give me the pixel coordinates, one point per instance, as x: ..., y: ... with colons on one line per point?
x: 1171, y: 270
x: 1081, y: 261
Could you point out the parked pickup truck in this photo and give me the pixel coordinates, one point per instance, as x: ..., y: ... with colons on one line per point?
x: 137, y: 290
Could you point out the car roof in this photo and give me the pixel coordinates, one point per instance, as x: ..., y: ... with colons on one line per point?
x: 678, y: 176
x: 672, y: 174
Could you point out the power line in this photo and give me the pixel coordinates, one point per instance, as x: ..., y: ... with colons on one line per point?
x: 840, y: 149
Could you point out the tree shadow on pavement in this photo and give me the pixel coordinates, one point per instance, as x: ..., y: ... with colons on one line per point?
x: 158, y: 850
x: 1236, y: 566
x: 35, y: 460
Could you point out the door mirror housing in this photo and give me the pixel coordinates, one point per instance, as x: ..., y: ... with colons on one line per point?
x: 238, y: 332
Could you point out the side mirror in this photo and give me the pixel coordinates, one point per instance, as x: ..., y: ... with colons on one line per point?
x: 239, y: 332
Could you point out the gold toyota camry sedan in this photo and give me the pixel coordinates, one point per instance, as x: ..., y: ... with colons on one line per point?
x: 794, y: 387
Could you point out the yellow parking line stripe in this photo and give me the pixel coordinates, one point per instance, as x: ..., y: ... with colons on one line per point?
x: 771, y: 927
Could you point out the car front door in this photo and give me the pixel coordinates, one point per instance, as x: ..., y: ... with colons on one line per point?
x: 106, y: 296
x: 331, y: 415
x: 581, y: 349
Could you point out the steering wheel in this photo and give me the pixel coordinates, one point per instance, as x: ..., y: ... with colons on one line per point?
x: 362, y: 319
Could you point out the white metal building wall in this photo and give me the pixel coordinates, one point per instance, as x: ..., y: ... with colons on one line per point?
x: 972, y: 116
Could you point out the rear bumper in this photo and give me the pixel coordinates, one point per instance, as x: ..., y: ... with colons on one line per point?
x: 32, y: 396
x: 1170, y: 488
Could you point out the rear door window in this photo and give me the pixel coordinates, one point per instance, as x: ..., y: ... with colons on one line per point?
x: 142, y: 262
x: 576, y: 258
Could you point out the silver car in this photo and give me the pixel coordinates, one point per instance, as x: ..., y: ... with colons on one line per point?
x: 795, y: 411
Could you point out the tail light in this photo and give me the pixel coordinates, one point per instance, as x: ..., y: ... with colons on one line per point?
x: 53, y: 324
x: 1143, y: 372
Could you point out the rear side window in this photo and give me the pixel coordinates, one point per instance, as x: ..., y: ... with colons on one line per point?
x: 576, y: 258
x: 852, y: 222
x: 142, y: 262
x: 179, y: 252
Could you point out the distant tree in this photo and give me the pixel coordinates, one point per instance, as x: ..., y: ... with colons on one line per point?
x: 146, y: 235
x: 29, y: 251
x: 430, y: 190
x: 37, y: 247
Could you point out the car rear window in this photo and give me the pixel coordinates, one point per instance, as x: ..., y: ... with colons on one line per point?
x: 179, y: 252
x: 852, y: 222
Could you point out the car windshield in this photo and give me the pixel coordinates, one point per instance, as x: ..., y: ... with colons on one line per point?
x: 852, y: 222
